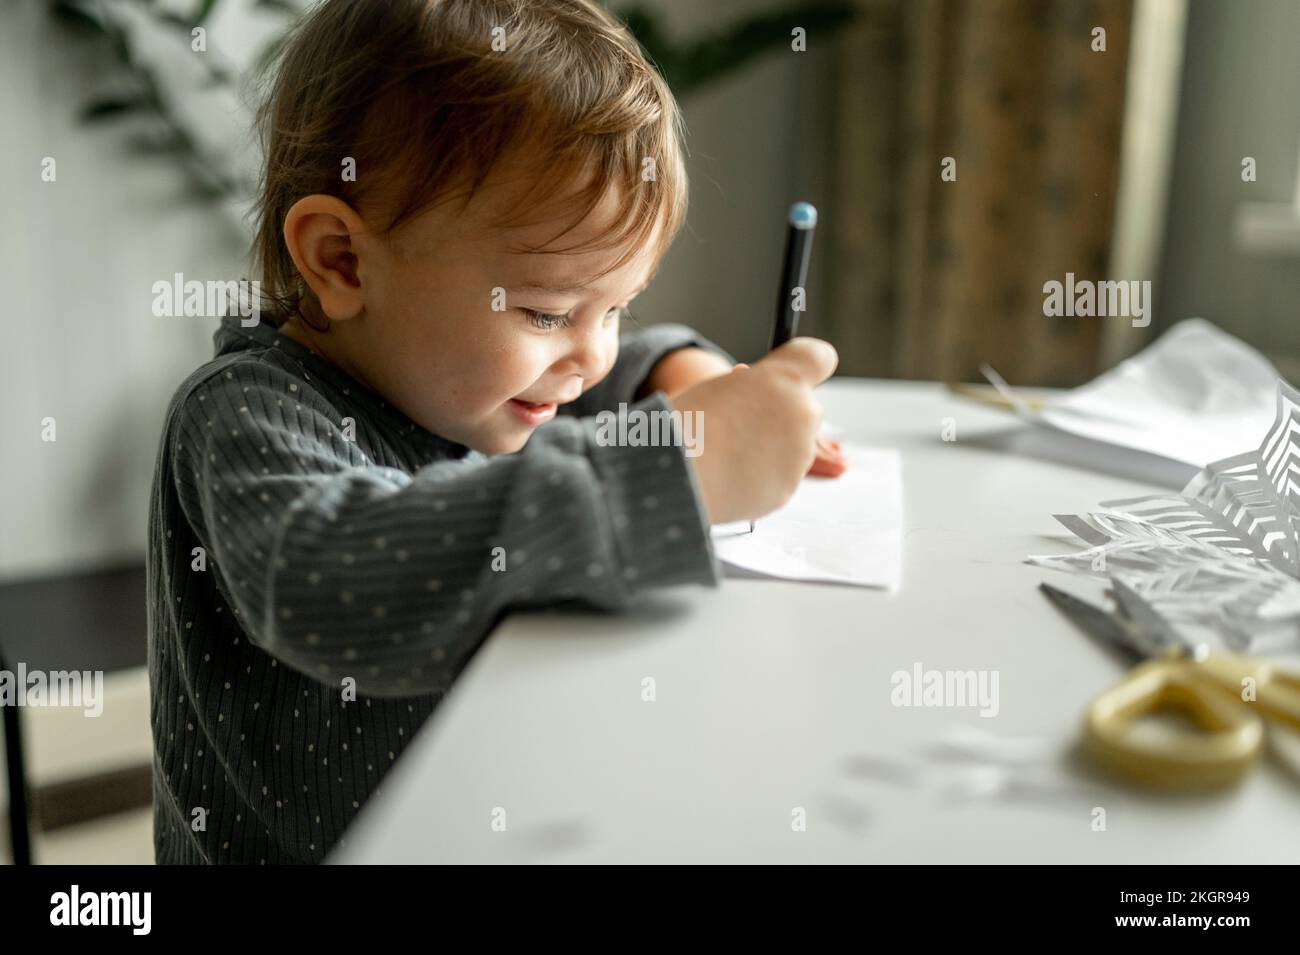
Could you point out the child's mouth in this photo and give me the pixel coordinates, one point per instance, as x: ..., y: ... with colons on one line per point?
x: 533, y: 412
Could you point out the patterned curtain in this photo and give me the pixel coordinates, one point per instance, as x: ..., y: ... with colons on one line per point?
x: 932, y: 277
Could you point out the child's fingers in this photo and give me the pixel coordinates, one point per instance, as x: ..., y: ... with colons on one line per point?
x: 827, y: 467
x: 829, y: 447
x: 830, y: 460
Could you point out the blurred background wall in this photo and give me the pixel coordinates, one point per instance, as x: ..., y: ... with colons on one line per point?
x: 1122, y: 163
x: 1240, y: 97
x: 80, y: 254
x: 79, y: 259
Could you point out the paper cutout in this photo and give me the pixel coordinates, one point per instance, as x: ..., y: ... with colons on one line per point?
x: 1224, y: 555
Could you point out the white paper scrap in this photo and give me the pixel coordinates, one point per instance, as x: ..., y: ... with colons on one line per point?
x: 1196, y: 395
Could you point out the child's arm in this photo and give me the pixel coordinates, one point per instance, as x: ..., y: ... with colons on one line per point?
x: 680, y: 369
x: 342, y: 568
x: 638, y: 353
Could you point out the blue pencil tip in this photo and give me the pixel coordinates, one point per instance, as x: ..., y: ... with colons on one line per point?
x: 803, y: 215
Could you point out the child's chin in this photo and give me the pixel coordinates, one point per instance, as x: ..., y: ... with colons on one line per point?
x: 502, y: 443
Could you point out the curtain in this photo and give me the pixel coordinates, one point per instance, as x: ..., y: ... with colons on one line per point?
x: 933, y: 277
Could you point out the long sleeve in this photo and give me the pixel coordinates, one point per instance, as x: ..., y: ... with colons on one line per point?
x: 638, y: 352
x: 343, y: 568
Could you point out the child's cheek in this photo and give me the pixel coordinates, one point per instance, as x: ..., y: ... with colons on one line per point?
x: 508, y: 369
x: 611, y: 358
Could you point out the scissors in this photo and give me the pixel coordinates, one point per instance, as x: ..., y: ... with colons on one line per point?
x: 1225, y: 695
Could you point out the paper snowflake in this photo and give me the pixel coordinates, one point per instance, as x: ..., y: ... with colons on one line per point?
x: 1224, y: 555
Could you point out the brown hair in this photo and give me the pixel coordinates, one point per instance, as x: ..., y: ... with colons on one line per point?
x: 415, y: 93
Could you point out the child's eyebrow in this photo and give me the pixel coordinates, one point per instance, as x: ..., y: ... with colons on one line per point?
x: 563, y: 289
x: 558, y: 289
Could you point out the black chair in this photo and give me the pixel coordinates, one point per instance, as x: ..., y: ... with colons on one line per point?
x: 84, y: 621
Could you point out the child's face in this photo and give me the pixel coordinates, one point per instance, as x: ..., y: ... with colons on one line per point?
x: 447, y: 325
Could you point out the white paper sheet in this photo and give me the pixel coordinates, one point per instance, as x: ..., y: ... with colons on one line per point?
x: 846, y: 530
x: 1196, y: 395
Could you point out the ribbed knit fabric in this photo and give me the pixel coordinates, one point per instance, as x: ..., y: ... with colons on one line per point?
x: 321, y: 568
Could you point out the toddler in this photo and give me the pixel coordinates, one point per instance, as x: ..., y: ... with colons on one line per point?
x: 461, y: 199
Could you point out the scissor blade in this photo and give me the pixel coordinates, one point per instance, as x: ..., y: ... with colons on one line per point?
x: 1096, y: 622
x: 1143, y: 621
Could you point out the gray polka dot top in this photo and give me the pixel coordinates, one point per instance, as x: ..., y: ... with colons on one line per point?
x: 321, y: 568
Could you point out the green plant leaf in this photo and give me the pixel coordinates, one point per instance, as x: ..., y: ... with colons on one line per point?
x: 76, y: 16
x: 268, y: 53
x: 113, y: 106
x: 205, y: 10
x: 159, y: 143
x: 217, y: 76
x: 689, y: 66
x: 185, y: 23
x: 174, y: 20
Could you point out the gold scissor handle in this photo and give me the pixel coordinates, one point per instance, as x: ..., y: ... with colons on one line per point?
x: 1228, y: 740
x: 1271, y: 689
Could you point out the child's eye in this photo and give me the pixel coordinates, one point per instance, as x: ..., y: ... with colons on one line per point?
x: 544, y: 320
x: 548, y: 322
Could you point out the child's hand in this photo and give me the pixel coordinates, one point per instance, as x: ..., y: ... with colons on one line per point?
x: 760, y: 428
x: 686, y: 367
x: 830, y: 460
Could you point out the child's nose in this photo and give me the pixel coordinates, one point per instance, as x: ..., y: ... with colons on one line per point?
x: 588, y: 354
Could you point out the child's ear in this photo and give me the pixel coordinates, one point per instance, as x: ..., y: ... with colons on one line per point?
x: 321, y: 233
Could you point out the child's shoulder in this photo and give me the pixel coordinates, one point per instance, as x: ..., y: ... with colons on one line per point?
x: 248, y: 375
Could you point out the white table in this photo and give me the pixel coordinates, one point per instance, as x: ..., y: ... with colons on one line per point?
x: 767, y: 691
